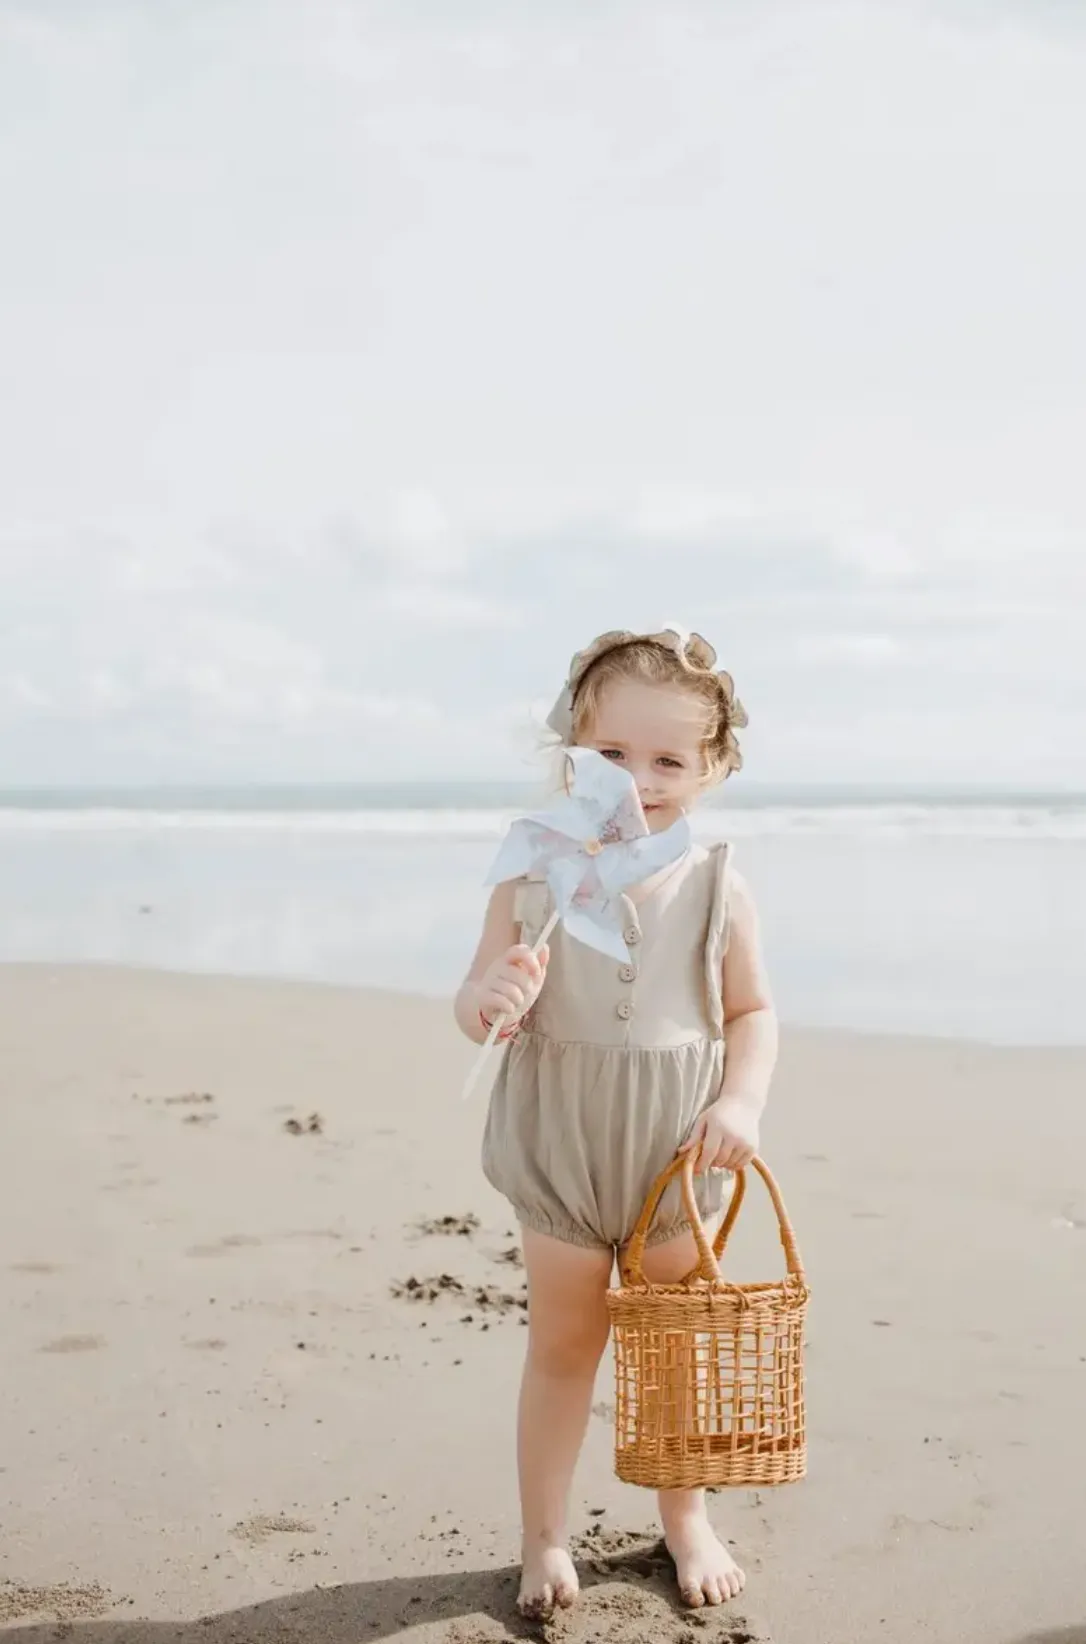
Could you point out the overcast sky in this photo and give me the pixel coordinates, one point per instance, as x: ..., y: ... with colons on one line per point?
x: 359, y: 361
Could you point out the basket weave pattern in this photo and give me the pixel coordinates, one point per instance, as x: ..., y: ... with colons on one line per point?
x: 709, y: 1375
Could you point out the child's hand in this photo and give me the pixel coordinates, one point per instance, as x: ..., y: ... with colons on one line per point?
x: 725, y: 1136
x: 513, y: 983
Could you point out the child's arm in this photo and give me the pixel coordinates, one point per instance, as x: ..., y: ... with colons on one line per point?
x: 505, y: 977
x: 726, y: 1134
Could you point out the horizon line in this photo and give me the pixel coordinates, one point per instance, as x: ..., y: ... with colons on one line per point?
x: 20, y: 793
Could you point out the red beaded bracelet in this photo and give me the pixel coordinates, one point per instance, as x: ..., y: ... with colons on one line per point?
x: 503, y: 1033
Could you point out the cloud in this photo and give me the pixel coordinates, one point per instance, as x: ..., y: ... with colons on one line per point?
x: 297, y: 661
x: 422, y: 608
x: 362, y: 360
x: 860, y: 650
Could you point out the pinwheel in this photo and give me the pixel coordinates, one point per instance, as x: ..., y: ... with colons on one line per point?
x: 589, y: 846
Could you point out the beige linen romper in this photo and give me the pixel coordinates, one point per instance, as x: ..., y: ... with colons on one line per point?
x: 615, y: 1062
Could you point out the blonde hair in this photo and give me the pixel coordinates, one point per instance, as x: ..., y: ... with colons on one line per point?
x: 649, y: 663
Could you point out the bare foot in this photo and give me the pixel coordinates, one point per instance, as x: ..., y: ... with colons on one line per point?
x: 707, y: 1573
x: 548, y: 1581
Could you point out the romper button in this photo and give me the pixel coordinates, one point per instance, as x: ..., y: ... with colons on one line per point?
x: 632, y: 935
x: 627, y: 973
x: 625, y: 1010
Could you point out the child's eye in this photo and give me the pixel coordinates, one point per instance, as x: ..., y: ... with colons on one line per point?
x: 610, y: 753
x: 665, y: 759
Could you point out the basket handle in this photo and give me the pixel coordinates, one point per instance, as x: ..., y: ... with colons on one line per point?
x: 633, y: 1271
x: 708, y: 1263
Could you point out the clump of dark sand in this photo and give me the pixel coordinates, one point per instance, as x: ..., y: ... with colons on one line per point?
x: 312, y: 1126
x: 461, y: 1227
x: 485, y: 1300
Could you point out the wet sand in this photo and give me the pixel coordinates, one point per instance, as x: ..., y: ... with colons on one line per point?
x: 263, y: 1321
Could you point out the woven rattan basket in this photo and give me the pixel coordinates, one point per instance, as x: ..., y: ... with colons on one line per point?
x: 709, y: 1375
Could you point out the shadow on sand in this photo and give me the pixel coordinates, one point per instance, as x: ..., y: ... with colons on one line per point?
x: 479, y: 1607
x: 1061, y: 1635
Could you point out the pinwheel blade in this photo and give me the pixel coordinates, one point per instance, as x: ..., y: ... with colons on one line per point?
x: 525, y: 847
x: 598, y: 925
x: 629, y: 863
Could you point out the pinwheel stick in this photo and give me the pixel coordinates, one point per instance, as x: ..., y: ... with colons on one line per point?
x: 496, y: 1025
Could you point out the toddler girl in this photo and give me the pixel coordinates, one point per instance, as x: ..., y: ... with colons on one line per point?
x: 611, y: 1069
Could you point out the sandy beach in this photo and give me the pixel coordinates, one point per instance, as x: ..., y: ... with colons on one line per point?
x: 237, y: 1408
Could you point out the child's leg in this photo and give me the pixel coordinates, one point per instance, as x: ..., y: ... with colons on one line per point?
x: 567, y: 1332
x: 707, y: 1572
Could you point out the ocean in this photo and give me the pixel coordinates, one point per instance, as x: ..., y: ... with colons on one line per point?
x: 959, y: 915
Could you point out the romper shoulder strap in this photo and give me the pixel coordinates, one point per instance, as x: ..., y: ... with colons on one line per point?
x: 531, y: 907
x: 719, y: 929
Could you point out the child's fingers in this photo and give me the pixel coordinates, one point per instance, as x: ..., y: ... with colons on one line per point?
x: 695, y: 1137
x: 514, y: 983
x: 710, y: 1147
x: 507, y: 994
x: 524, y: 959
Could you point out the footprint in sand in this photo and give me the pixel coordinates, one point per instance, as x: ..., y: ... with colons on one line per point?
x: 232, y: 1241
x: 73, y: 1344
x: 62, y: 1603
x: 242, y: 1241
x: 262, y: 1526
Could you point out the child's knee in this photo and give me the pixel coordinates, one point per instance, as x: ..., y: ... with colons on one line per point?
x: 567, y: 1347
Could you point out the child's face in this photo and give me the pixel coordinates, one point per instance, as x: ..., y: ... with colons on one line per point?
x: 655, y: 732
